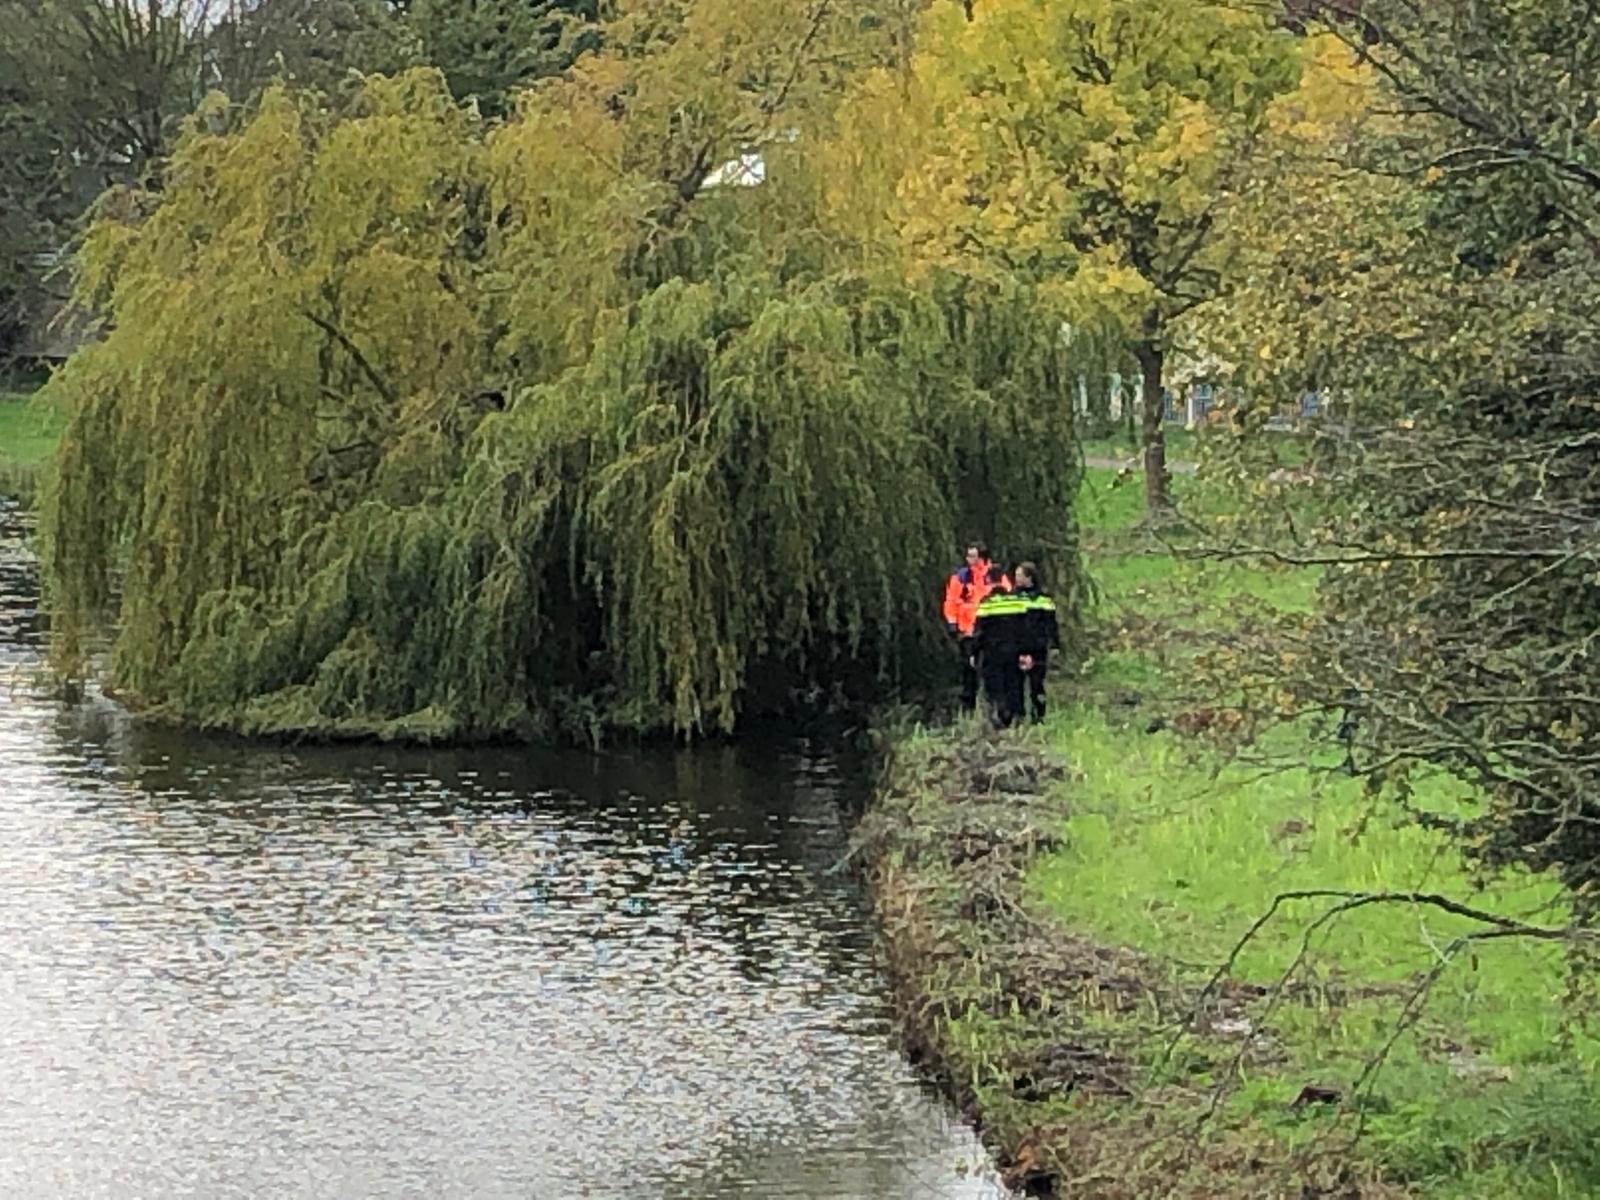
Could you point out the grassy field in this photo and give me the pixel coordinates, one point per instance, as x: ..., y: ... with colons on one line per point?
x: 1186, y: 445
x: 28, y: 433
x: 1172, y: 851
x: 1181, y: 443
x: 1055, y: 903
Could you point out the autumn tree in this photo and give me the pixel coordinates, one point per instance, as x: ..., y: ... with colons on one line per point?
x: 1445, y: 289
x: 1091, y: 145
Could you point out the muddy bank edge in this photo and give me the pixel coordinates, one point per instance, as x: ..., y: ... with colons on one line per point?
x: 1048, y: 1042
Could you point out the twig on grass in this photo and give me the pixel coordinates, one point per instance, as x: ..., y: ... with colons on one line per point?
x: 1349, y: 901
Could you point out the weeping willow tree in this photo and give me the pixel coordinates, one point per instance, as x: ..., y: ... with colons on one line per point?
x: 402, y: 428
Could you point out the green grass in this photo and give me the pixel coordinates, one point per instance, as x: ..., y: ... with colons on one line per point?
x: 1138, y: 576
x: 29, y: 432
x: 1176, y: 853
x: 1182, y: 444
x: 1288, y: 447
x: 1174, y: 850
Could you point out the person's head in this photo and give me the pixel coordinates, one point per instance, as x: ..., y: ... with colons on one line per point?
x: 996, y: 576
x: 977, y: 553
x: 1027, y: 575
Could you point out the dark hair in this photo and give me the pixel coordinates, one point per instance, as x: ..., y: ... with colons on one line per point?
x: 983, y: 551
x: 996, y: 574
x: 1031, y: 570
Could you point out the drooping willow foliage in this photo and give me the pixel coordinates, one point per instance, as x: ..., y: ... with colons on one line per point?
x: 389, y: 436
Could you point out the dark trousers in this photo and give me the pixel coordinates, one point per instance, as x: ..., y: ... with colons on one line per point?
x: 1035, y: 688
x: 1002, y: 687
x: 969, y: 675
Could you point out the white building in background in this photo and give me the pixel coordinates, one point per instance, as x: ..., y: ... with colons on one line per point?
x: 748, y: 170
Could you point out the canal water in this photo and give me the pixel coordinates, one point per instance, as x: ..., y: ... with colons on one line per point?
x: 230, y: 969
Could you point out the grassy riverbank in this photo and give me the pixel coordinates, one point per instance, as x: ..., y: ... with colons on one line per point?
x: 29, y: 432
x: 1057, y: 900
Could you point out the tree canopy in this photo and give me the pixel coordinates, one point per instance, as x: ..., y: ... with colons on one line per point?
x: 415, y: 424
x: 1440, y: 281
x: 96, y: 91
x: 1092, y: 146
x: 488, y: 49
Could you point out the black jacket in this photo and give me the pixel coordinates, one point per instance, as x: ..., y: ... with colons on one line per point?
x: 1011, y: 624
x: 998, y: 633
x: 1041, y: 632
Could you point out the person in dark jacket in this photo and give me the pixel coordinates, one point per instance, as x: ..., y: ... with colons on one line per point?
x: 998, y: 637
x: 1040, y: 633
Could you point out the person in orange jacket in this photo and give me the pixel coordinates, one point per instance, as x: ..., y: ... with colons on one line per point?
x: 964, y: 591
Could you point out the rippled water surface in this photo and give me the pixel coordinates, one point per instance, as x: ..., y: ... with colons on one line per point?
x: 235, y: 970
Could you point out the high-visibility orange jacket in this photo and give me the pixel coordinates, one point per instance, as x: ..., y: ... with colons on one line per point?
x: 962, y: 595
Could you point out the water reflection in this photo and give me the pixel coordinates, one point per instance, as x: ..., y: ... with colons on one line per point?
x: 230, y: 970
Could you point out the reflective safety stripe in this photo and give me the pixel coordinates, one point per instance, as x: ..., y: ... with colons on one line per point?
x: 1006, y: 605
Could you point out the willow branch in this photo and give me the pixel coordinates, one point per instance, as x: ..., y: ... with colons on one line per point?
x: 354, y: 351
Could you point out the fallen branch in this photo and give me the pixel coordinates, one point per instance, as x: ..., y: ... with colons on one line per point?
x: 1219, y: 554
x: 1349, y: 901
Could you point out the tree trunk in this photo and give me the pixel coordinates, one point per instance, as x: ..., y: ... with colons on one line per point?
x: 1130, y: 431
x: 1151, y: 359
